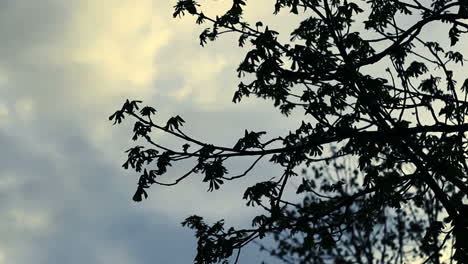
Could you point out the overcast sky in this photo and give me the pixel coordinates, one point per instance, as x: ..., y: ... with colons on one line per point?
x: 65, y: 66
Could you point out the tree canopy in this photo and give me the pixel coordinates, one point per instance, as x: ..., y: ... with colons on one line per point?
x: 380, y: 156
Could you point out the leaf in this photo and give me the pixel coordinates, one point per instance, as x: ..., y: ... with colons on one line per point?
x: 464, y: 87
x: 416, y: 69
x: 118, y: 116
x: 185, y: 147
x: 294, y: 8
x: 191, y: 9
x: 163, y: 162
x: 200, y: 19
x: 184, y: 5
x: 242, y: 39
x: 430, y: 85
x: 454, y: 35
x: 354, y: 7
x: 457, y: 57
x: 174, y: 122
x: 250, y: 140
x: 130, y: 106
x: 137, y: 197
x: 204, y: 36
x: 237, y: 97
x: 214, y: 172
x: 147, y: 111
x: 304, y: 187
x: 259, y: 220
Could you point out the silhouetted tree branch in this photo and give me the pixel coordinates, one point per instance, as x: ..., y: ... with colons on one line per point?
x: 382, y: 165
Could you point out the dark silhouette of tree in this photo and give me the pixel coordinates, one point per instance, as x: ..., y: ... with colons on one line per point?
x: 384, y: 155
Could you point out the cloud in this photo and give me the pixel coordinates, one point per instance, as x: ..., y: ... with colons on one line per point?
x: 3, y: 114
x: 118, y: 39
x: 84, y: 53
x: 25, y: 108
x: 65, y: 67
x: 201, y: 84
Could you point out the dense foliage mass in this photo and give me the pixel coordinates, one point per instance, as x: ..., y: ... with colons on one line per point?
x: 403, y: 200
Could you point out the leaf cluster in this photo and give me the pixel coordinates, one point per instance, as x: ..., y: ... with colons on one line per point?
x: 361, y: 129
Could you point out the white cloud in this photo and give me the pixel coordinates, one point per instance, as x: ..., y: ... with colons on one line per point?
x: 3, y: 114
x: 28, y: 220
x: 3, y: 79
x: 25, y: 108
x: 119, y: 41
x: 201, y: 73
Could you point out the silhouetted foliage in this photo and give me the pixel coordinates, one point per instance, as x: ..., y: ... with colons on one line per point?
x: 379, y: 158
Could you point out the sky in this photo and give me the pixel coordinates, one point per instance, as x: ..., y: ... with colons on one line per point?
x: 65, y: 66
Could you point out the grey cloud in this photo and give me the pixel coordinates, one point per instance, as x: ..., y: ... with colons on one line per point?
x: 68, y: 181
x: 31, y: 25
x: 87, y: 213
